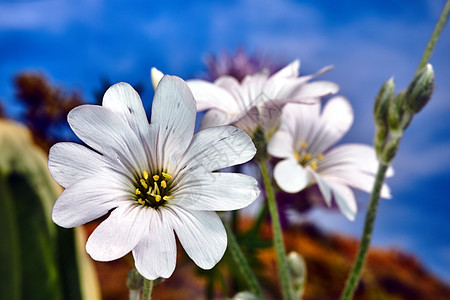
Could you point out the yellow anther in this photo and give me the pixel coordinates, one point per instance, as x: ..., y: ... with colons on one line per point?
x: 307, y: 156
x: 167, y: 176
x: 140, y: 201
x: 155, y: 177
x: 163, y: 184
x: 144, y: 184
x: 138, y: 191
x: 156, y: 189
x: 149, y: 192
x: 320, y: 156
x: 145, y: 173
x: 157, y: 198
x: 167, y: 197
x: 314, y: 165
x: 304, y: 144
x: 296, y: 156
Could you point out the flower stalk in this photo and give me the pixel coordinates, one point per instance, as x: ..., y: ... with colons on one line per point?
x: 280, y: 251
x: 242, y: 263
x: 147, y: 289
x: 355, y: 273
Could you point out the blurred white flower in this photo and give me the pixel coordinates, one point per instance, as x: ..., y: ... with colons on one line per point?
x: 154, y: 179
x: 258, y: 100
x: 304, y: 139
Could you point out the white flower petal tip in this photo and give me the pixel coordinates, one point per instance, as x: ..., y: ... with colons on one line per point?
x: 156, y: 76
x: 141, y: 174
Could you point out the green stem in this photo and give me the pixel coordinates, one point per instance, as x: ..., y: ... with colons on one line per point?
x: 147, y: 289
x: 283, y: 270
x: 242, y: 263
x: 134, y: 295
x: 355, y: 273
x: 435, y: 36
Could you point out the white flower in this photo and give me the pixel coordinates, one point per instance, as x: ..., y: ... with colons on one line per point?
x: 303, y: 140
x: 154, y: 179
x: 258, y: 100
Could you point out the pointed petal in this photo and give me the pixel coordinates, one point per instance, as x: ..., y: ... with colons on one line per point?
x: 217, y: 148
x: 290, y: 176
x: 281, y: 144
x: 88, y: 199
x: 345, y: 199
x: 291, y: 70
x: 155, y: 255
x: 156, y: 76
x: 119, y: 233
x: 70, y: 162
x: 123, y: 100
x: 216, y: 191
x: 173, y: 112
x: 313, y: 90
x: 108, y: 133
x: 209, y: 95
x: 202, y: 235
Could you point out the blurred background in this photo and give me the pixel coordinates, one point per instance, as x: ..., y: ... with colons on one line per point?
x: 69, y: 52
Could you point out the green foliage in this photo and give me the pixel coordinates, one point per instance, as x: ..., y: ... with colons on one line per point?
x: 38, y: 259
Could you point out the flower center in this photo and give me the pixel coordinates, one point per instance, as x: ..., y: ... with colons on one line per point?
x: 153, y: 190
x: 305, y: 158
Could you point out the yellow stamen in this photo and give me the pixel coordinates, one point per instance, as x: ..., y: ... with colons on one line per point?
x: 320, y: 156
x: 145, y: 175
x: 167, y: 176
x: 156, y: 189
x: 138, y: 191
x: 163, y: 184
x: 167, y: 197
x: 307, y: 156
x: 157, y: 198
x: 314, y: 165
x: 140, y: 201
x: 155, y: 177
x: 149, y: 191
x: 144, y: 184
x: 304, y: 144
x: 296, y: 156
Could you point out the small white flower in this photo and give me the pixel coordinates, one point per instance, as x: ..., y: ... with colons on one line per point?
x: 258, y: 100
x: 303, y: 140
x: 154, y: 179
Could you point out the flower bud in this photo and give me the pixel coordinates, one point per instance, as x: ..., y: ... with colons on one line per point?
x: 245, y: 296
x: 420, y: 89
x: 135, y: 281
x: 384, y: 97
x: 297, y: 270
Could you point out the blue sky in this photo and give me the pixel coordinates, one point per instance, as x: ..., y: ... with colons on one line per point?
x: 77, y: 42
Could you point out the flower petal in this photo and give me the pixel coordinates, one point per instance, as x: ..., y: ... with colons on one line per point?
x: 123, y: 100
x: 323, y: 187
x: 345, y: 199
x: 281, y: 144
x: 215, y: 118
x: 313, y: 90
x: 70, y: 162
x: 217, y: 148
x: 107, y: 132
x: 119, y: 233
x: 290, y: 176
x: 173, y: 112
x: 209, y: 95
x: 155, y: 255
x: 88, y: 199
x: 156, y: 76
x: 335, y: 120
x: 291, y: 70
x: 216, y: 191
x: 202, y: 235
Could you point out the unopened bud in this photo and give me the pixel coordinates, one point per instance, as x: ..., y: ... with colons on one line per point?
x: 245, y: 296
x: 297, y: 270
x: 420, y: 89
x: 381, y: 107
